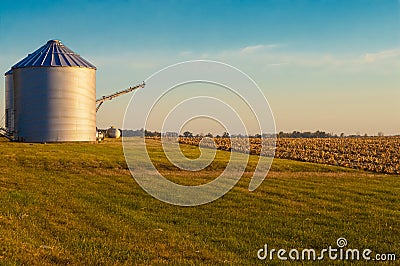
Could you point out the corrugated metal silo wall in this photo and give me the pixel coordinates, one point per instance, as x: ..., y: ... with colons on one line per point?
x: 55, y: 104
x: 9, y: 102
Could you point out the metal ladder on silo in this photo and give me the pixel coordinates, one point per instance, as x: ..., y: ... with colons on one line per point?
x: 3, y: 131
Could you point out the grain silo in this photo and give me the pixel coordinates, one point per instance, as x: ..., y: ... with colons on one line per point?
x: 54, y: 96
x: 9, y: 103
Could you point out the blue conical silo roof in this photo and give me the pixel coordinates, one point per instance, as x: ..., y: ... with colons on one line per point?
x: 53, y: 54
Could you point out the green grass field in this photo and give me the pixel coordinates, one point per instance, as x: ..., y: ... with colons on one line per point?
x: 77, y: 204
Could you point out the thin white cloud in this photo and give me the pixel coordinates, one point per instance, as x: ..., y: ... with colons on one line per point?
x: 261, y: 56
x: 382, y: 55
x: 186, y: 53
x: 264, y: 53
x: 257, y: 48
x: 278, y: 64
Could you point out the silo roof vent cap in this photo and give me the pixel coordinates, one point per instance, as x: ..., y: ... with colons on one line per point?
x: 54, y: 41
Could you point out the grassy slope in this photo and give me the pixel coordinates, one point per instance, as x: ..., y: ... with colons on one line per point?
x: 77, y: 204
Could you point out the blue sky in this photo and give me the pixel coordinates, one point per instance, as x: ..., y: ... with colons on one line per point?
x: 328, y: 65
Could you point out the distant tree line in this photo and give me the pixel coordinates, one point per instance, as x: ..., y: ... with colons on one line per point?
x: 320, y: 134
x: 140, y: 133
x: 298, y: 134
x: 187, y: 134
